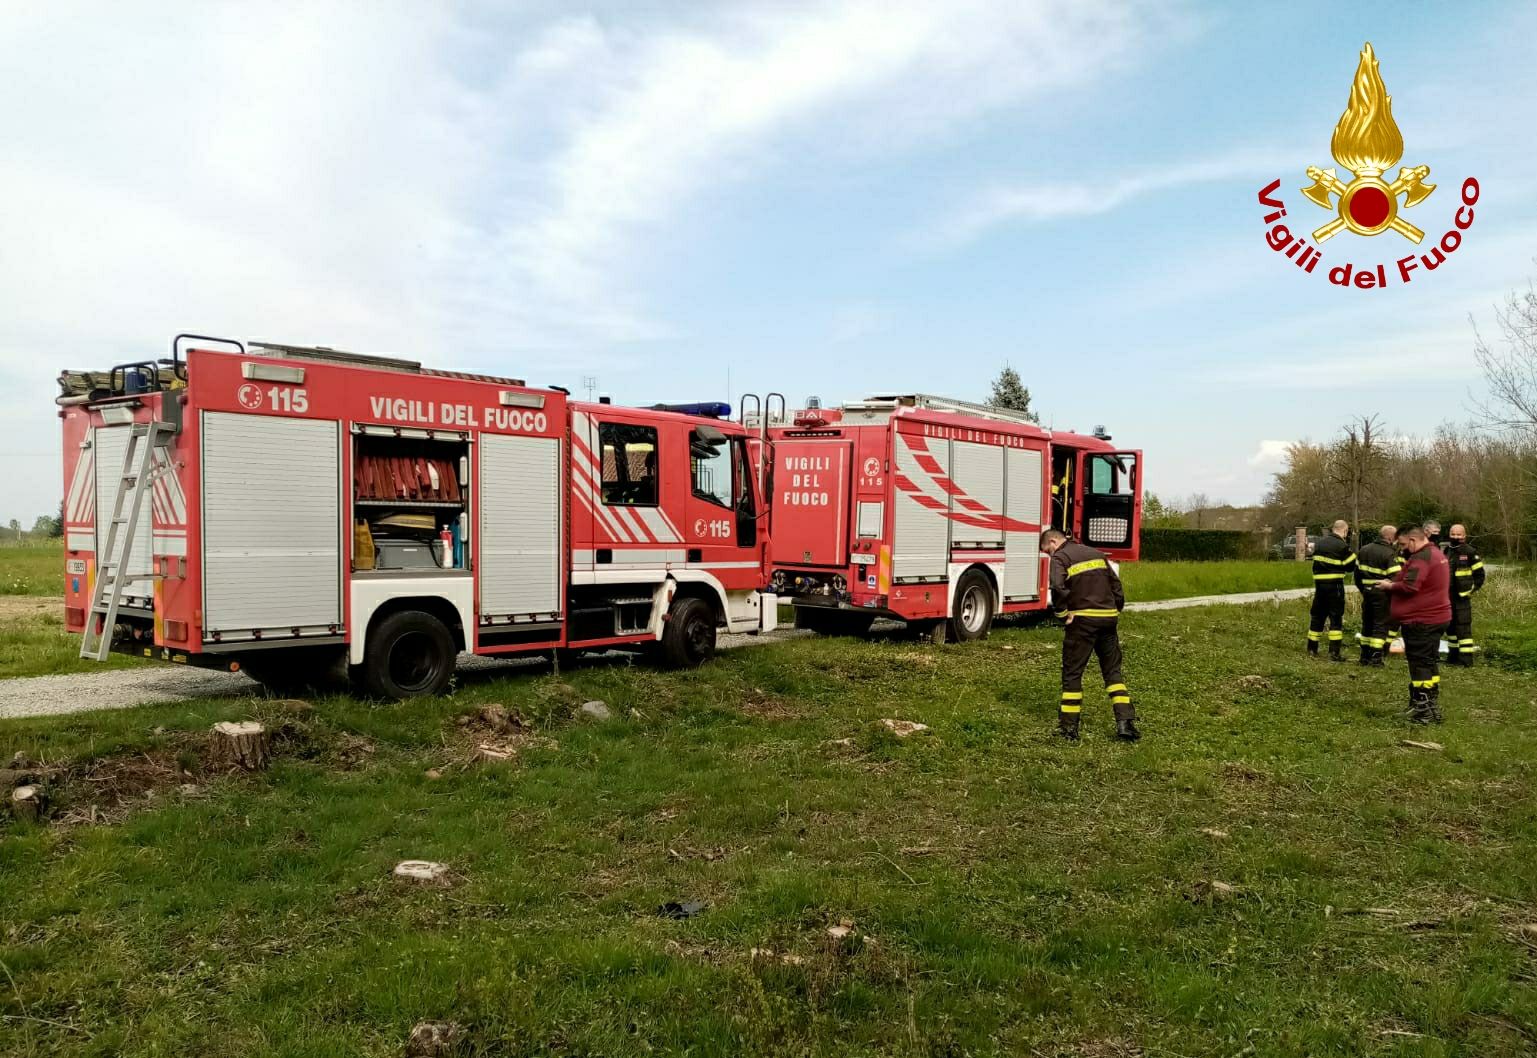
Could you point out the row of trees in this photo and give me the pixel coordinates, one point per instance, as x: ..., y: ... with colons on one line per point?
x: 1483, y: 475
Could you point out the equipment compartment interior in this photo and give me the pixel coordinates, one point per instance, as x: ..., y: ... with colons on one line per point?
x: 411, y: 503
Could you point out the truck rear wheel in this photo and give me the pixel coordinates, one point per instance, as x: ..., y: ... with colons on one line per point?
x: 689, y: 636
x: 972, y: 616
x: 408, y: 654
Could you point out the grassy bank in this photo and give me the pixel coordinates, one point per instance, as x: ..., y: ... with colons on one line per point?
x: 1005, y: 894
x: 1180, y: 580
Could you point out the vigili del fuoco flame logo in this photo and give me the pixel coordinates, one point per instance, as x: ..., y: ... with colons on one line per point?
x: 1367, y: 143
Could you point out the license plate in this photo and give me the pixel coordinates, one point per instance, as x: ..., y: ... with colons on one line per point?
x: 862, y: 560
x: 75, y: 565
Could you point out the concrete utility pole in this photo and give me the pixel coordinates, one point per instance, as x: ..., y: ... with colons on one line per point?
x: 1302, y: 543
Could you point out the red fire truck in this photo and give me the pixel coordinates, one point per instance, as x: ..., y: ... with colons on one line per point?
x: 278, y: 509
x: 930, y: 510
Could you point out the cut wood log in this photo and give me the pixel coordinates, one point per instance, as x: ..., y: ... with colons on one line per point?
x: 29, y: 803
x: 241, y: 743
x: 422, y: 872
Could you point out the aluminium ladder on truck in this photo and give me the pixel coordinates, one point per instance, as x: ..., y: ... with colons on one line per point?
x: 139, y: 472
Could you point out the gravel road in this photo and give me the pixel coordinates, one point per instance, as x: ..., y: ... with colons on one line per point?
x: 124, y: 688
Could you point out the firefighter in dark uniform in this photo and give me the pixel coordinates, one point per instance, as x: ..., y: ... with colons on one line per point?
x: 1421, y: 602
x: 1333, y: 562
x: 1467, y: 578
x: 1375, y: 561
x: 1086, y: 593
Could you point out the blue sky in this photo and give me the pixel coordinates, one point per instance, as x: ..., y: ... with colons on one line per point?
x: 824, y: 198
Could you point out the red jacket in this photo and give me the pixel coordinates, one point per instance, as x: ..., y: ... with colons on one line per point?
x: 1421, y: 591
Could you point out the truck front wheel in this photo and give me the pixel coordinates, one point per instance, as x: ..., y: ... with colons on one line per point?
x: 408, y: 654
x: 689, y: 637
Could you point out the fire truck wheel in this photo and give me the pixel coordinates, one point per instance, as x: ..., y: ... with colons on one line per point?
x: 973, y: 615
x: 409, y: 653
x: 689, y: 638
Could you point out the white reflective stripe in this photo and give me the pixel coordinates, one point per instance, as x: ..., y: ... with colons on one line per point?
x: 628, y: 515
x: 721, y: 565
x: 621, y: 575
x: 170, y: 544
x: 75, y: 540
x: 633, y: 556
x: 594, y: 504
x: 658, y: 523
x: 174, y: 495
x: 78, y: 486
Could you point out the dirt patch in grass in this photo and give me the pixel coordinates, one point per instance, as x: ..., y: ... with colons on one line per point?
x: 21, y: 607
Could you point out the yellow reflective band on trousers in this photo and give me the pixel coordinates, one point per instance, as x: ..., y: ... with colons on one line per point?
x: 1072, y: 696
x: 1085, y: 567
x: 1120, y: 699
x: 1088, y: 613
x: 1425, y: 683
x: 1065, y: 708
x: 1328, y: 576
x: 1313, y: 637
x: 1335, y: 635
x: 1115, y: 687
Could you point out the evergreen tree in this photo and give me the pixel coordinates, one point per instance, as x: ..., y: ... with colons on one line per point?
x: 1010, y: 394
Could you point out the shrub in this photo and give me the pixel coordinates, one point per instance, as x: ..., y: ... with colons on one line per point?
x: 1199, y: 545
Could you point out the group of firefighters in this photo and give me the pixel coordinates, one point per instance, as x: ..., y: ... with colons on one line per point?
x: 1411, y: 584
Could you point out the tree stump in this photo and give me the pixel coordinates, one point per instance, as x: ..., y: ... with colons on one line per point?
x: 244, y: 744
x: 29, y: 803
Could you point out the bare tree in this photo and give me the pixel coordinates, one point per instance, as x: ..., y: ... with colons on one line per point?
x: 1356, y: 465
x: 1511, y: 369
x: 1197, y: 505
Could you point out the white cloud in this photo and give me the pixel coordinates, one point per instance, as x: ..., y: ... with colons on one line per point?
x: 1038, y: 201
x: 1269, y: 454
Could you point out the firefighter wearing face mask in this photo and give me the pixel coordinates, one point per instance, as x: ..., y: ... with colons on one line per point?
x: 1375, y: 561
x: 1467, y: 578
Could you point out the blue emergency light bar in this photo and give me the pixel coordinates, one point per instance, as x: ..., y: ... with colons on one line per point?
x: 709, y: 409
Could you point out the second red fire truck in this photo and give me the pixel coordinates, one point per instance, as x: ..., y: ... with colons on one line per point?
x: 930, y: 510
x: 284, y: 509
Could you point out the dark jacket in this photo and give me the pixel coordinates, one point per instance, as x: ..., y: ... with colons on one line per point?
x: 1375, y: 561
x: 1332, y: 560
x: 1467, y: 570
x: 1421, y: 592
x: 1083, y: 583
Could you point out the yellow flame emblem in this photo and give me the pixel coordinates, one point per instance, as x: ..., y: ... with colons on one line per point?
x: 1367, y: 143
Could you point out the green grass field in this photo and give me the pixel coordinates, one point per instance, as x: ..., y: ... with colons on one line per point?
x: 32, y: 569
x: 1006, y: 893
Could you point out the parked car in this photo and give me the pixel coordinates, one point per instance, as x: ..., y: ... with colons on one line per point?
x: 1287, y: 549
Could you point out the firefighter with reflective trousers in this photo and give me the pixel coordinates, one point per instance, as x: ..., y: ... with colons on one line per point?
x: 1467, y: 578
x: 1333, y: 561
x: 1421, y: 602
x: 1375, y: 561
x: 1086, y: 593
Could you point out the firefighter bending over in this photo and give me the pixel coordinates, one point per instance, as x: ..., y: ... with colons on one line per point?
x: 1375, y: 561
x: 1467, y: 578
x: 1421, y: 601
x: 1333, y: 561
x: 1086, y: 593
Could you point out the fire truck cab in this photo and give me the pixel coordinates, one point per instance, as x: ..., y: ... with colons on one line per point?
x: 930, y: 510
x: 282, y: 509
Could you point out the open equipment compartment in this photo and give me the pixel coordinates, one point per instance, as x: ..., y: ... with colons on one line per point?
x: 410, y: 499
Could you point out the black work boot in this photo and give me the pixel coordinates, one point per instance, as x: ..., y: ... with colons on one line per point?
x: 1313, y: 647
x: 1126, y: 730
x: 1435, y: 705
x: 1420, y: 709
x: 1366, y: 655
x: 1334, y: 651
x: 1377, y: 656
x: 1067, y: 726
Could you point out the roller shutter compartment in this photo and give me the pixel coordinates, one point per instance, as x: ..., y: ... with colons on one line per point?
x: 271, y: 524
